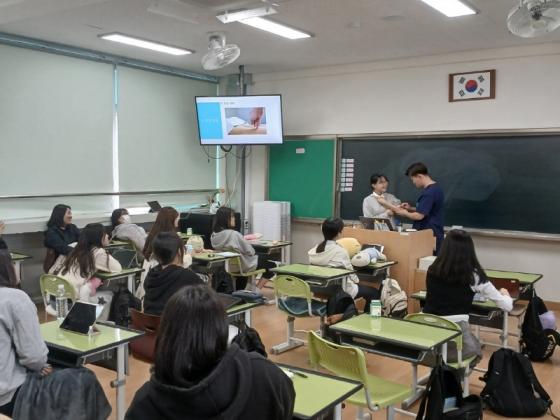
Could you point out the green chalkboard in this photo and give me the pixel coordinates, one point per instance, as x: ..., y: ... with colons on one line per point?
x: 490, y: 182
x: 302, y: 172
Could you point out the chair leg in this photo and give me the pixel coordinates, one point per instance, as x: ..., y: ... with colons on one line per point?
x: 390, y: 413
x: 466, y: 383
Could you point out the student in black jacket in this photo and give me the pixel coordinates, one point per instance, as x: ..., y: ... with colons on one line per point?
x: 169, y: 276
x: 60, y: 231
x: 196, y: 375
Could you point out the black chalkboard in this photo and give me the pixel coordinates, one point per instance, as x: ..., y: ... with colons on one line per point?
x: 493, y: 182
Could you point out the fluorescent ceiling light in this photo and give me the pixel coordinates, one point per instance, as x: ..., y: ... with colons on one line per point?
x: 275, y: 28
x: 143, y: 43
x: 246, y: 14
x: 451, y: 8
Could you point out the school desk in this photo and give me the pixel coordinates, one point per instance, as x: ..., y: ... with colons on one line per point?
x: 117, y: 243
x: 243, y: 310
x: 314, y: 274
x: 17, y: 259
x: 128, y: 273
x: 486, y: 314
x: 318, y: 394
x: 398, y: 339
x: 72, y: 349
x: 376, y: 272
x: 209, y: 263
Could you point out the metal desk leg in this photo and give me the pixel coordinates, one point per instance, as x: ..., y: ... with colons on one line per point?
x: 444, y: 352
x: 338, y: 412
x: 17, y: 269
x: 505, y: 333
x: 248, y: 318
x: 119, y: 383
x: 131, y: 283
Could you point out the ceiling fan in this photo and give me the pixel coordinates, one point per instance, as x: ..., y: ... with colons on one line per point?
x: 533, y: 18
x: 219, y: 53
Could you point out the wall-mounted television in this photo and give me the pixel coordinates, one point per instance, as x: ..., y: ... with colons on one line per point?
x: 235, y: 120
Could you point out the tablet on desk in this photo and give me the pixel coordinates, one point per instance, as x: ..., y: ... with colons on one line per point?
x: 228, y: 300
x: 154, y: 206
x: 81, y: 317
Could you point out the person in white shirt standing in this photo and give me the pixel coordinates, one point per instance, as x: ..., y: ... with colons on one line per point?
x: 371, y: 207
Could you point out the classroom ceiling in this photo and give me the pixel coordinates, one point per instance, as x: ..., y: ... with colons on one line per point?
x: 345, y: 31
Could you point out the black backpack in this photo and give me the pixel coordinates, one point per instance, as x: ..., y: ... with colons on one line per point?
x: 537, y: 343
x: 512, y: 388
x: 249, y: 339
x: 122, y: 301
x: 444, y: 387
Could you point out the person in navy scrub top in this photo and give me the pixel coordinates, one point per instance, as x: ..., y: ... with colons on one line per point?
x: 428, y: 213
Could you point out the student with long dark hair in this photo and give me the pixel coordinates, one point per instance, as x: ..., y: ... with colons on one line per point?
x: 225, y: 237
x: 60, y: 234
x: 456, y: 275
x: 167, y: 220
x: 125, y: 230
x: 196, y: 375
x: 331, y: 254
x: 21, y: 345
x: 88, y: 257
x: 169, y: 275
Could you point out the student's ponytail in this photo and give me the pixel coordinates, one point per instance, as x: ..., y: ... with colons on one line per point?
x: 331, y: 227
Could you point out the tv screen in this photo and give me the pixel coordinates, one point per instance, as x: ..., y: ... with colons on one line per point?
x: 239, y: 119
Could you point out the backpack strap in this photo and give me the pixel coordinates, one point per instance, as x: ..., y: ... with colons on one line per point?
x: 530, y: 373
x: 422, y: 408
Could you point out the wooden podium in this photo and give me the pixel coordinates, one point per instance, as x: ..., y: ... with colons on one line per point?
x: 404, y: 247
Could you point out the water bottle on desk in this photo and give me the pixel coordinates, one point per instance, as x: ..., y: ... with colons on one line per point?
x: 61, y: 303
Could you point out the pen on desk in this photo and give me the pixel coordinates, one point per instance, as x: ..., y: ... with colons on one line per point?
x: 298, y: 373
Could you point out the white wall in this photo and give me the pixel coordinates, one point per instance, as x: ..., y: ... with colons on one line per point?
x: 411, y: 95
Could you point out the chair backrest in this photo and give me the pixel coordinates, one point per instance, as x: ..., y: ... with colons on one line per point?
x: 438, y: 321
x: 49, y: 285
x: 511, y: 285
x: 345, y: 361
x: 143, y: 348
x: 290, y: 286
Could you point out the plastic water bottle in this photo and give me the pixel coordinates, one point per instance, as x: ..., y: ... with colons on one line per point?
x: 61, y: 303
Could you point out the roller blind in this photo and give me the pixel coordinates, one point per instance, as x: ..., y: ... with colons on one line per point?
x: 158, y: 141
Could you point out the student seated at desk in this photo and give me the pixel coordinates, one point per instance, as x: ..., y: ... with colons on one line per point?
x: 125, y: 230
x: 88, y: 257
x: 454, y: 278
x: 329, y: 253
x: 169, y: 276
x: 22, y: 348
x: 225, y: 238
x: 167, y: 220
x: 196, y: 375
x: 59, y: 235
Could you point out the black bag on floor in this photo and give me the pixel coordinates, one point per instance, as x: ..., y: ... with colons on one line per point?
x: 122, y: 301
x: 512, y: 388
x: 537, y: 343
x: 249, y: 339
x: 222, y: 282
x: 444, y: 390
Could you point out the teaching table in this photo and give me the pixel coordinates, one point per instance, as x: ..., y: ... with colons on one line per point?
x: 76, y: 349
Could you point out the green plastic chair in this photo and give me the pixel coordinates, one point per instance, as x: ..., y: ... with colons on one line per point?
x: 290, y: 287
x: 463, y: 366
x: 49, y: 286
x: 350, y: 362
x: 235, y: 270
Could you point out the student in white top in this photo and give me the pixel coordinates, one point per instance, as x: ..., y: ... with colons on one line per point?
x: 125, y: 230
x: 88, y: 257
x: 331, y: 254
x: 371, y: 207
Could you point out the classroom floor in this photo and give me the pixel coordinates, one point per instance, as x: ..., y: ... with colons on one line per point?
x: 271, y: 324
